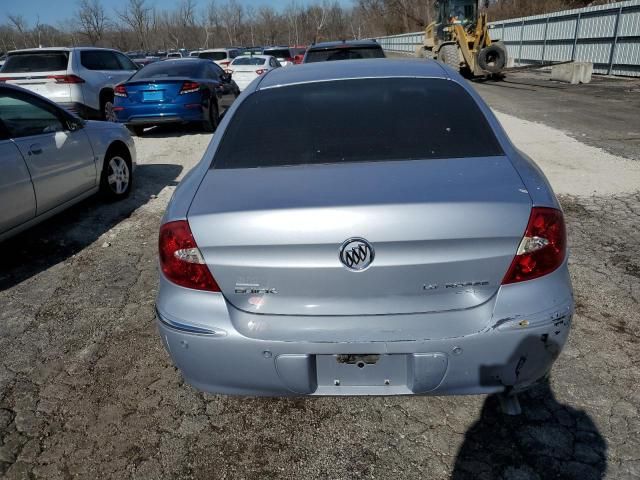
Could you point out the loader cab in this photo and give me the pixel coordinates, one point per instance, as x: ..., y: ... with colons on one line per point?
x: 449, y: 12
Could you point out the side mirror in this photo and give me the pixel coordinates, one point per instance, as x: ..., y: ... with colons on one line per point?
x: 74, y: 124
x: 226, y: 77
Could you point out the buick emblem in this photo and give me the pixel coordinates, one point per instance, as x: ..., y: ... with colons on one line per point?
x: 356, y: 254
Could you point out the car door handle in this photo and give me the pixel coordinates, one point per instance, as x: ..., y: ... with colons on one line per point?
x: 35, y: 149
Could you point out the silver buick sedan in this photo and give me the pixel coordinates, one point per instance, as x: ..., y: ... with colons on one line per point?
x: 51, y: 159
x: 396, y: 243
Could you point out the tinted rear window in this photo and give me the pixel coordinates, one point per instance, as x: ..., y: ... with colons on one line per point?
x: 36, y: 62
x: 213, y: 55
x: 344, y: 53
x: 248, y: 61
x: 278, y: 53
x: 356, y: 121
x: 180, y: 68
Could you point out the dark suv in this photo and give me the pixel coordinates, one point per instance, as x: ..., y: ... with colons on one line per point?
x: 345, y: 50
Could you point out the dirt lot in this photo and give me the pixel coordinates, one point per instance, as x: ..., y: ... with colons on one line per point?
x: 87, y: 391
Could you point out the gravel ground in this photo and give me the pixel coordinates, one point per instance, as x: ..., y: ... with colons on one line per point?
x: 87, y: 391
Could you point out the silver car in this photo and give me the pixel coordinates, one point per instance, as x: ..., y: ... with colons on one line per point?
x: 396, y: 243
x: 51, y: 159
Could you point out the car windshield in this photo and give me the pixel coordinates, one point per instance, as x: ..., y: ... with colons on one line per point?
x: 213, y: 55
x: 278, y: 53
x: 46, y: 61
x: 248, y: 61
x: 343, y: 53
x: 176, y: 68
x: 379, y: 119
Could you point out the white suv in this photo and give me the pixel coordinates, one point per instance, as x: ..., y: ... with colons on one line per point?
x: 78, y: 79
x: 222, y: 56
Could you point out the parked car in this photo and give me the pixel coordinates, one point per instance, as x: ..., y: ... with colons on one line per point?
x: 396, y: 243
x: 171, y: 55
x: 284, y: 55
x: 142, y: 58
x: 175, y: 91
x: 3, y: 58
x: 222, y: 56
x: 79, y: 79
x: 345, y: 50
x: 246, y: 68
x: 52, y: 159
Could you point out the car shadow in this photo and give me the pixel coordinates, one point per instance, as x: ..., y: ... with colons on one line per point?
x: 547, y: 440
x: 62, y: 236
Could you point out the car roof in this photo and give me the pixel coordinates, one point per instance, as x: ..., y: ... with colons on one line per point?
x: 61, y: 49
x: 217, y: 50
x: 349, y: 43
x: 350, y: 69
x: 264, y: 57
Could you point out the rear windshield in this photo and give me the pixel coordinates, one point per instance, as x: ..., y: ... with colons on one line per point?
x: 278, y: 53
x: 248, y: 61
x: 344, y: 53
x: 36, y: 62
x: 180, y: 68
x: 213, y: 55
x: 360, y: 120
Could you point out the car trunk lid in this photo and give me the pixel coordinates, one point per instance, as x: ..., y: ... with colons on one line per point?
x: 443, y: 231
x: 157, y: 91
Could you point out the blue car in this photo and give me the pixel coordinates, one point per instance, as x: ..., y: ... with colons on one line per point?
x: 187, y: 90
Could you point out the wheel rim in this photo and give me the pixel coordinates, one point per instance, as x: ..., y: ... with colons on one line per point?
x: 109, y: 113
x: 118, y: 178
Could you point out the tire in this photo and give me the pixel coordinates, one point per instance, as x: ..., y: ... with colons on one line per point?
x: 117, y: 175
x: 493, y: 58
x: 211, y: 123
x: 448, y: 54
x: 106, y: 109
x: 136, y: 130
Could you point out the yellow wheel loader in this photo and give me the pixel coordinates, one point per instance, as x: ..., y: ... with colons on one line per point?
x: 460, y: 38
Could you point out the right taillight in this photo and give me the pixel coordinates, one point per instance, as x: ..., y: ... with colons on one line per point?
x: 181, y: 260
x: 542, y: 249
x: 260, y: 71
x: 120, y: 91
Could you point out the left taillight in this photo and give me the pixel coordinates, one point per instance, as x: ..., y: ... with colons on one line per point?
x: 66, y: 78
x: 120, y: 91
x: 189, y: 87
x: 181, y: 260
x: 260, y: 71
x: 542, y: 249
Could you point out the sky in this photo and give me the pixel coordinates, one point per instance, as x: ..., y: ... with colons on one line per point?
x: 53, y: 11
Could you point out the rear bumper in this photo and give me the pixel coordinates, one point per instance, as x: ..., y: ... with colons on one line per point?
x: 511, y: 352
x: 145, y: 115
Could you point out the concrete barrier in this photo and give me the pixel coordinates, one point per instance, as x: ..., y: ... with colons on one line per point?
x: 573, y: 73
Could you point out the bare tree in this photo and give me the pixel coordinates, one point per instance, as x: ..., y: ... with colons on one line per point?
x: 231, y: 15
x: 92, y: 20
x: 20, y: 24
x: 138, y: 16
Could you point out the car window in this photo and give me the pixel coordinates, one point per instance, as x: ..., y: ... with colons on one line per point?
x: 343, y: 53
x: 24, y: 116
x: 380, y: 119
x: 46, y: 61
x: 233, y: 53
x: 248, y: 61
x: 99, y: 60
x: 212, y: 72
x: 213, y: 55
x: 274, y: 63
x: 171, y: 68
x: 278, y: 53
x: 125, y: 62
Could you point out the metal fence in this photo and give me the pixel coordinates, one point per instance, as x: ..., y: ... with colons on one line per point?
x: 607, y: 35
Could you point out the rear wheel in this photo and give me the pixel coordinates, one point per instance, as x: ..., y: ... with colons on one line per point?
x: 106, y: 108
x: 117, y: 176
x: 211, y: 123
x: 448, y: 54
